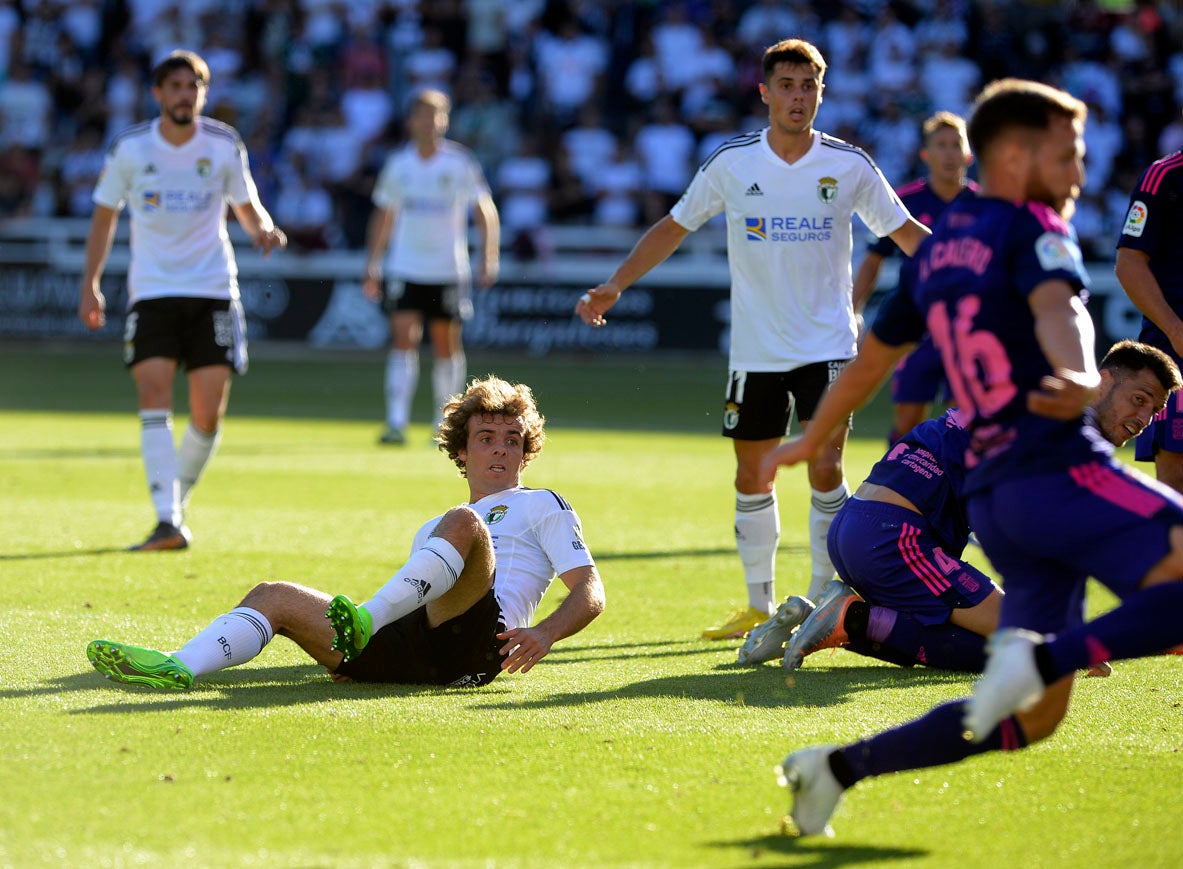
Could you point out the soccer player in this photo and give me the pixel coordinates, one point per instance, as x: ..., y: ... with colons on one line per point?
x: 789, y: 192
x: 419, y: 227
x: 458, y: 612
x: 919, y: 379
x: 905, y: 593
x: 1150, y: 269
x: 175, y: 175
x: 999, y: 290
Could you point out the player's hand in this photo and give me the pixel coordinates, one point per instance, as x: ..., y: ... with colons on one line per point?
x: 524, y: 647
x: 1063, y: 395
x: 271, y: 239
x: 593, y: 304
x: 789, y: 453
x: 371, y: 288
x: 92, y: 309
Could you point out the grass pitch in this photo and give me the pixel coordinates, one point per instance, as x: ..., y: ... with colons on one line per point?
x: 633, y: 744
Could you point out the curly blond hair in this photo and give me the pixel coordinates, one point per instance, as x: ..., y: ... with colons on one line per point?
x: 494, y: 397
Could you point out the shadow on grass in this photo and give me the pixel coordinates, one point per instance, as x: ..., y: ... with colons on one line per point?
x: 815, y: 853
x: 785, y: 548
x: 69, y: 553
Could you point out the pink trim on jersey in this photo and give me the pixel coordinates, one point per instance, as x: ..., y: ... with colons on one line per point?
x: 1047, y: 217
x: 1158, y: 170
x: 918, y: 562
x: 911, y: 187
x: 1098, y: 654
x: 1010, y: 735
x: 1118, y: 489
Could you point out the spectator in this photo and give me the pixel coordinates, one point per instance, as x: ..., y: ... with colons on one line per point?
x: 25, y: 109
x: 589, y: 144
x: 665, y: 147
x: 570, y: 68
x: 617, y: 188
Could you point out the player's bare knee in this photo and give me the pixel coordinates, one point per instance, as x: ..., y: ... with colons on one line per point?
x: 1041, y: 720
x: 464, y: 529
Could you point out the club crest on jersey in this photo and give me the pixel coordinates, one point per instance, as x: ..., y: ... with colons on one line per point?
x: 204, y: 167
x: 827, y: 189
x: 150, y: 199
x: 1135, y: 219
x: 496, y: 514
x: 756, y: 228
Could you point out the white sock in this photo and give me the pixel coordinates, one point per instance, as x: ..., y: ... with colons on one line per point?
x: 160, y: 463
x: 428, y: 573
x: 823, y: 507
x: 402, y: 376
x: 757, y: 532
x: 447, y: 379
x: 194, y: 454
x: 230, y: 640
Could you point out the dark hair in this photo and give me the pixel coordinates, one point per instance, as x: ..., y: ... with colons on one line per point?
x: 795, y: 51
x: 181, y: 59
x: 492, y: 397
x: 1011, y: 103
x: 1134, y: 356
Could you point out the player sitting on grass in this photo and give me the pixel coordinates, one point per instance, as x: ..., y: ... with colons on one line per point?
x: 905, y: 595
x: 457, y: 613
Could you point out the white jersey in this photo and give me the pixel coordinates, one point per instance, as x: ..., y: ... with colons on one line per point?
x: 789, y: 243
x: 177, y: 198
x: 432, y: 198
x: 536, y: 537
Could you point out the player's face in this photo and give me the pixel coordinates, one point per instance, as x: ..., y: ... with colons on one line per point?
x: 1127, y: 404
x: 426, y: 123
x: 947, y: 155
x: 493, y: 457
x: 181, y: 96
x: 1057, y: 165
x: 793, y: 94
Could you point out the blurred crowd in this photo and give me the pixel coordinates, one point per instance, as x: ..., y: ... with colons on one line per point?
x: 581, y: 111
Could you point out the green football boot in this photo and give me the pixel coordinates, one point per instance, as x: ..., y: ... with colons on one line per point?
x: 353, y: 625
x: 136, y: 666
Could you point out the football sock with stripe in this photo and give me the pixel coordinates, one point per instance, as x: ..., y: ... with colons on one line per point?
x: 1146, y: 623
x: 402, y: 376
x: 160, y: 463
x: 932, y: 740
x: 428, y: 573
x: 945, y: 646
x: 823, y: 507
x: 447, y: 379
x: 757, y: 532
x: 196, y: 449
x: 231, y: 639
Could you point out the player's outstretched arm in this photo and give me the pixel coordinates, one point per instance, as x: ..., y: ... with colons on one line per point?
x: 652, y: 249
x: 525, y: 647
x: 488, y: 224
x: 1066, y: 335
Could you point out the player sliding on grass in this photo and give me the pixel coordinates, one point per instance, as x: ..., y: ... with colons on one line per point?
x: 905, y: 594
x: 457, y: 613
x: 999, y: 289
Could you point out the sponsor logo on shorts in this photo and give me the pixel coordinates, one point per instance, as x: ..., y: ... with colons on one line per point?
x: 1135, y: 219
x: 730, y: 415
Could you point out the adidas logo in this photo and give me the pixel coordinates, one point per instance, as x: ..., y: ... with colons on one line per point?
x: 422, y: 586
x: 754, y: 190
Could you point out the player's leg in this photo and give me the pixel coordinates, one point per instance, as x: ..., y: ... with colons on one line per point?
x: 452, y: 571
x: 402, y: 364
x: 1168, y: 468
x: 154, y: 381
x: 906, y: 415
x: 449, y: 364
x: 917, y: 381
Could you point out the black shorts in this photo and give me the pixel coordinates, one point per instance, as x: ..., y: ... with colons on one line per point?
x: 759, y: 404
x: 434, y: 301
x: 462, y: 651
x: 196, y: 332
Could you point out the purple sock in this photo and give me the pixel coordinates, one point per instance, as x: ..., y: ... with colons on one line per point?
x: 1147, y: 623
x: 947, y: 646
x: 933, y: 740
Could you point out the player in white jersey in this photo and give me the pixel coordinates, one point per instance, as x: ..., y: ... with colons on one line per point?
x: 458, y: 612
x: 789, y: 193
x: 417, y: 262
x: 176, y: 175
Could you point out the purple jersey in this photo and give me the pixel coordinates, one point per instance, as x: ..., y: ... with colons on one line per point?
x: 927, y: 467
x: 1153, y: 225
x: 974, y: 275
x: 924, y: 205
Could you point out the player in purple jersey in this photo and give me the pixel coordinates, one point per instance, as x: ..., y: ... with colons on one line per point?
x: 919, y: 379
x: 999, y: 289
x: 1150, y: 269
x: 905, y: 594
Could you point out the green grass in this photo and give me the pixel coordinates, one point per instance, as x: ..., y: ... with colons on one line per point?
x: 633, y: 744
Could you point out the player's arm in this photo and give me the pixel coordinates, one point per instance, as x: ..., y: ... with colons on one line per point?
x: 652, y: 249
x: 92, y: 306
x: 910, y: 234
x: 259, y: 226
x: 525, y: 647
x: 1138, y: 281
x: 866, y: 278
x: 1066, y: 335
x: 488, y: 224
x: 378, y: 231
x: 852, y: 389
